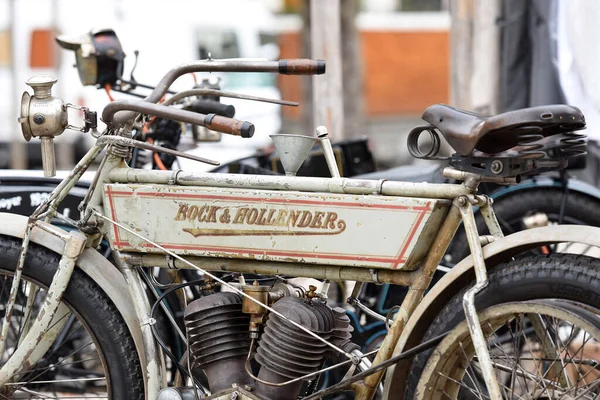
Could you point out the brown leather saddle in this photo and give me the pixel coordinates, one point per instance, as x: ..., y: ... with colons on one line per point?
x: 467, y: 131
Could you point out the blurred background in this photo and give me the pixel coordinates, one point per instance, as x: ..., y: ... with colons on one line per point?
x: 396, y: 57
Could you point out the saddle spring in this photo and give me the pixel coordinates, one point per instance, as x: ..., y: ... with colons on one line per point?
x: 413, y: 143
x: 529, y: 142
x: 573, y: 142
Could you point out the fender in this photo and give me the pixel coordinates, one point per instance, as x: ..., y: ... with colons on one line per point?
x: 94, y: 265
x: 463, y: 275
x: 574, y: 185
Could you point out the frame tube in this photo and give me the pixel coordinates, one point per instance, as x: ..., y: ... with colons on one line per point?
x: 322, y: 272
x: 479, y: 341
x: 142, y: 309
x: 22, y: 358
x: 296, y: 183
x: 364, y: 390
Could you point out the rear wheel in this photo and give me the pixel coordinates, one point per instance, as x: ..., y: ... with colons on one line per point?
x: 542, y: 349
x: 557, y: 276
x: 94, y: 353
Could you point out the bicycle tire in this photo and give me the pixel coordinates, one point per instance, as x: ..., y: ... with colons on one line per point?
x: 99, y: 315
x: 555, y: 276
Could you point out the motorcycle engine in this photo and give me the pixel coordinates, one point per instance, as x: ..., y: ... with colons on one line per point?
x: 223, y: 326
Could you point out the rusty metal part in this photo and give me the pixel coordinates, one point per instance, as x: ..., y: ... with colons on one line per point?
x: 365, y: 390
x: 21, y: 358
x: 548, y: 347
x: 154, y: 363
x: 47, y: 340
x: 285, y: 352
x: 455, y: 346
x: 221, y: 93
x: 463, y: 176
x: 299, y: 183
x: 281, y: 290
x: 489, y: 216
x: 233, y: 288
x: 356, y: 303
x: 235, y: 392
x: 91, y: 263
x: 485, y: 362
x: 218, y: 339
x: 211, y: 121
x: 257, y: 292
x: 93, y: 185
x: 461, y: 275
x: 229, y: 125
x: 64, y: 187
x: 168, y: 313
x: 341, y: 335
x: 329, y: 272
x: 322, y: 134
x: 255, y: 309
x: 147, y: 146
x: 312, y: 292
x: 373, y: 369
x: 301, y: 67
x: 12, y: 297
x: 218, y: 66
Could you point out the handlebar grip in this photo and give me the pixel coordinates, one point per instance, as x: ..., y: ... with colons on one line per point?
x: 228, y: 125
x: 204, y: 106
x: 301, y: 66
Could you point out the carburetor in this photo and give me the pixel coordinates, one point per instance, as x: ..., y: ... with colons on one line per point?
x: 46, y: 117
x: 266, y: 295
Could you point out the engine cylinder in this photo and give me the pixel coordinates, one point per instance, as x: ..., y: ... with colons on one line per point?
x: 285, y: 352
x: 219, y: 339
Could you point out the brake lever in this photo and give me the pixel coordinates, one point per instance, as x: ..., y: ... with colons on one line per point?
x: 133, y: 82
x: 220, y: 93
x: 108, y: 139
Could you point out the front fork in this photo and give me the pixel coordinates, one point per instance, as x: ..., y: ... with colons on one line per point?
x: 39, y: 338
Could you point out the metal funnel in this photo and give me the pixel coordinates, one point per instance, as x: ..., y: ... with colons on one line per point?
x: 292, y: 150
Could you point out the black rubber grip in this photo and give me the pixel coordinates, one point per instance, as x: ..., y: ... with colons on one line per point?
x: 301, y: 66
x: 204, y: 106
x: 229, y: 125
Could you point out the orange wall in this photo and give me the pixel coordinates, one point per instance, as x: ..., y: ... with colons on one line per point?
x: 290, y: 46
x: 404, y: 72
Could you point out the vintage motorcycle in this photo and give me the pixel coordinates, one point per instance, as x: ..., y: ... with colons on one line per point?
x: 493, y: 327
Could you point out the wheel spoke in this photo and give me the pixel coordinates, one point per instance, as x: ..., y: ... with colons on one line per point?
x: 470, y: 368
x: 532, y: 343
x: 63, y: 372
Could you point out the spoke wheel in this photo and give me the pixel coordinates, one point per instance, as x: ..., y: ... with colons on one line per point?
x: 93, y: 355
x: 539, y: 350
x: 563, y: 277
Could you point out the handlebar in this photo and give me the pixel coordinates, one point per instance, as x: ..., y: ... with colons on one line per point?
x: 287, y: 67
x: 204, y: 106
x: 229, y: 125
x: 215, y: 122
x: 301, y: 67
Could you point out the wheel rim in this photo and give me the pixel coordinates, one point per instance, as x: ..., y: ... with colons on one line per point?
x: 73, y: 367
x: 521, y: 360
x: 518, y: 224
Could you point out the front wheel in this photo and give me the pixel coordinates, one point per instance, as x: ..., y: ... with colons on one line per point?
x: 450, y: 371
x: 94, y: 353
